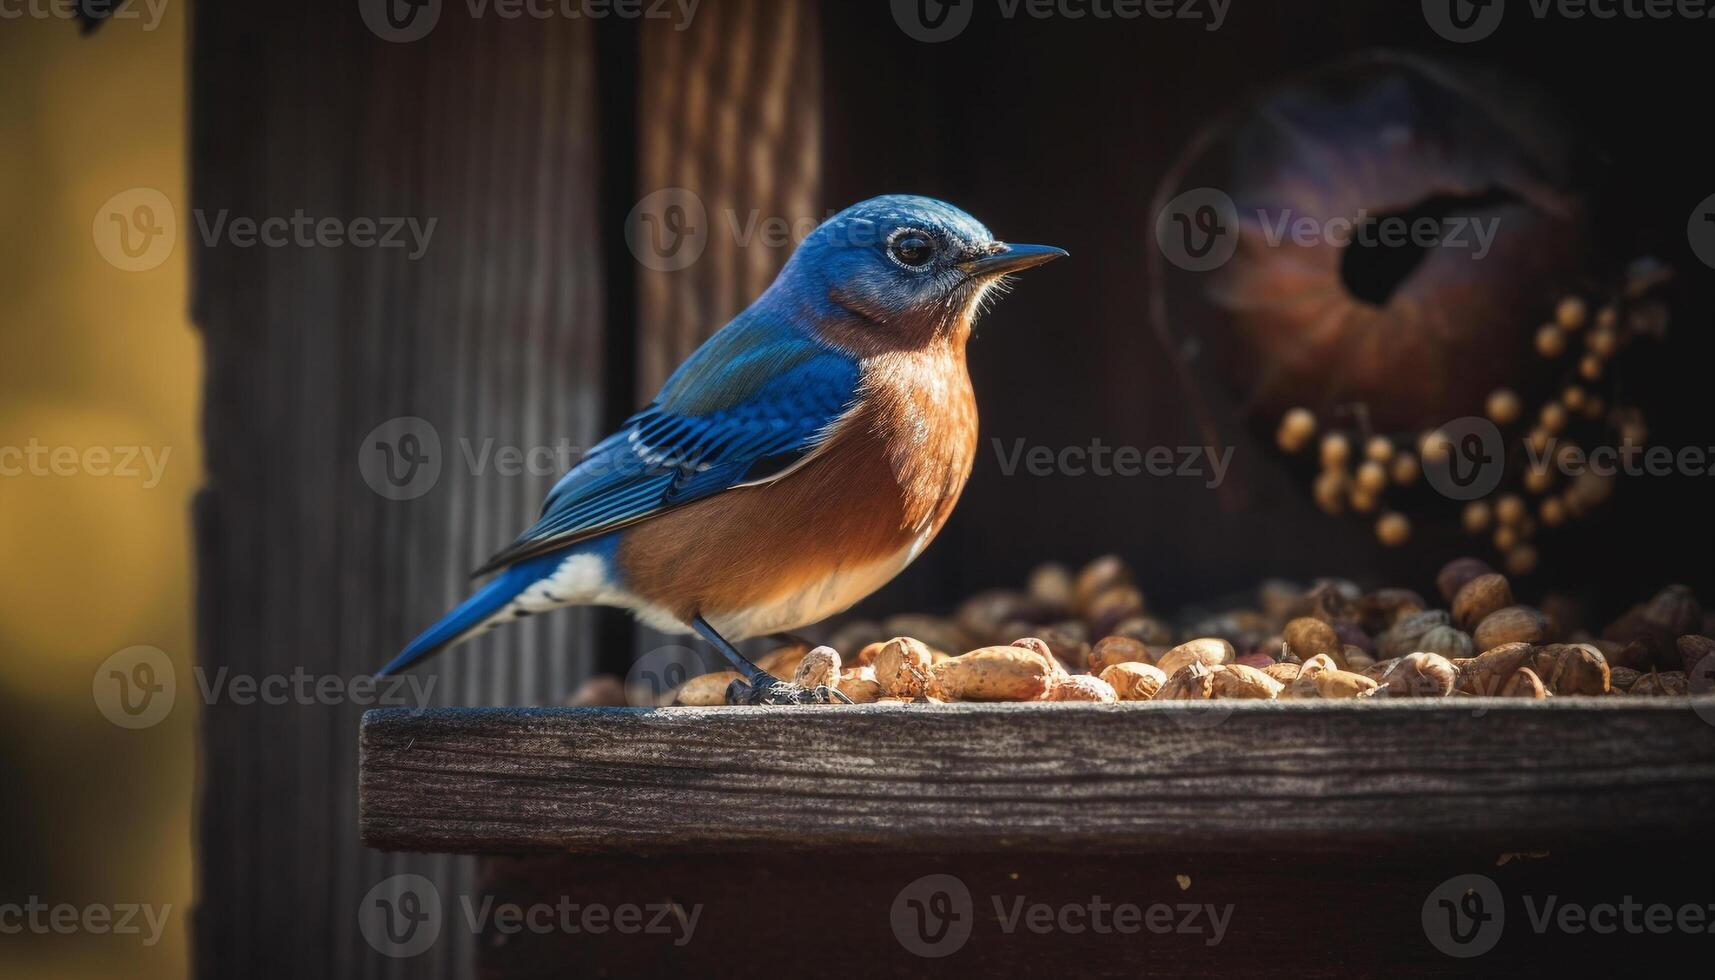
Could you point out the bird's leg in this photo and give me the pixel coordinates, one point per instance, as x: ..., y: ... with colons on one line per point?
x: 759, y: 686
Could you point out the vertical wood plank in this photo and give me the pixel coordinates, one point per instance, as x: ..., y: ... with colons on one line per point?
x: 730, y: 109
x: 494, y: 336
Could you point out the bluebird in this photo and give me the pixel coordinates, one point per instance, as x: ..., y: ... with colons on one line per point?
x: 793, y: 464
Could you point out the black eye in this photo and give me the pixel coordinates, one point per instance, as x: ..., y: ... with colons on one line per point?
x: 912, y: 249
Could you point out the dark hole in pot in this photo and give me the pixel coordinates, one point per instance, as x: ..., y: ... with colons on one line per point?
x: 1386, y: 249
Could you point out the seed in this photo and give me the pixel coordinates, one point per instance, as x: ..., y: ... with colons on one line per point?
x: 1296, y: 428
x: 1379, y: 448
x: 1509, y: 509
x: 1538, y: 479
x: 1372, y: 478
x: 1570, y: 313
x: 1336, y: 450
x: 1329, y: 490
x: 1590, y: 368
x: 1393, y: 529
x: 1550, y: 342
x: 1434, y: 447
x: 1504, y: 406
x: 1521, y: 560
x: 1553, y: 417
x: 1573, y: 397
x: 1552, y: 512
x: 1477, y: 516
x: 1603, y: 341
x: 1404, y: 469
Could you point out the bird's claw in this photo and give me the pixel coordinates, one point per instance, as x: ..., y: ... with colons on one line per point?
x: 770, y: 690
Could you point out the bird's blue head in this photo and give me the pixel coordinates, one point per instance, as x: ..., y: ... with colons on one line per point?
x: 899, y: 270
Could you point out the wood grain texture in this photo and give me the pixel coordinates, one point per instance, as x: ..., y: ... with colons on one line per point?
x: 493, y: 335
x: 731, y: 111
x: 1136, y: 778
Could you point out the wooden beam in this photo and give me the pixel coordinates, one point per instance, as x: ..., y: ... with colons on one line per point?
x: 952, y: 778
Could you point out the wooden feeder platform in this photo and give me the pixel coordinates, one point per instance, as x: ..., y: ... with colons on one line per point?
x: 1324, y: 826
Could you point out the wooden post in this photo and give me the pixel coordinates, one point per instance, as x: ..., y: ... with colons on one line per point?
x: 492, y: 336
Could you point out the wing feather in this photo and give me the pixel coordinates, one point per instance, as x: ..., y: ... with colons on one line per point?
x: 706, y: 432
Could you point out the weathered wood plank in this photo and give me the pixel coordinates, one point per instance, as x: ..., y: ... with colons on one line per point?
x: 951, y: 778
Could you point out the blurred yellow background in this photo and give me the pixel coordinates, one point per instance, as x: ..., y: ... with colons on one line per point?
x: 93, y: 357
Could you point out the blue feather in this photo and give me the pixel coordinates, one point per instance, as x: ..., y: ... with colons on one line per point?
x: 473, y: 612
x: 756, y: 398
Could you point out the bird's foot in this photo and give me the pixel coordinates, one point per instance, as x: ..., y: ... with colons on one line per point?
x: 767, y: 689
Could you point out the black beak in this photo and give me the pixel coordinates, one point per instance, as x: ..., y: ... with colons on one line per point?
x: 1004, y: 258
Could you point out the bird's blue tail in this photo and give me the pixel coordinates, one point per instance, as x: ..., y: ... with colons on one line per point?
x: 469, y: 614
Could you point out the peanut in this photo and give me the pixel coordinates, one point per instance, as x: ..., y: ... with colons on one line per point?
x: 1208, y: 651
x: 902, y: 667
x: 992, y: 674
x: 706, y: 690
x: 1134, y: 681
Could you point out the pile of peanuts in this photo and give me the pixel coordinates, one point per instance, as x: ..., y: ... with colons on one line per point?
x: 1086, y: 636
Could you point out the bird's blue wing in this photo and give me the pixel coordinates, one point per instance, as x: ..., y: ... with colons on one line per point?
x: 749, y: 404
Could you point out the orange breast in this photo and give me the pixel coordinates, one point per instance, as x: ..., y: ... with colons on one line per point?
x: 884, y: 484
